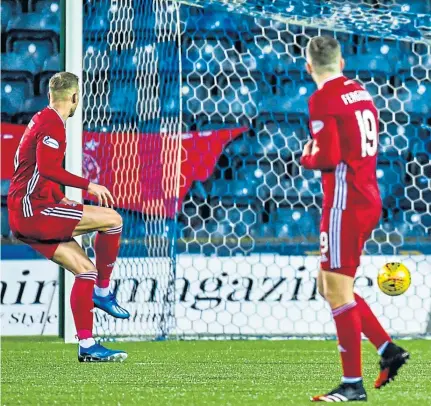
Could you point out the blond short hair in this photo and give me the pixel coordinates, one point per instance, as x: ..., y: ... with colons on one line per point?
x: 62, y: 85
x: 324, y: 54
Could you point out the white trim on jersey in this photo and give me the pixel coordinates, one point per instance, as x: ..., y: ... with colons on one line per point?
x: 31, y: 185
x: 63, y: 212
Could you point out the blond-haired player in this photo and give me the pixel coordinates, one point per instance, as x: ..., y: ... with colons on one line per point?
x: 41, y: 216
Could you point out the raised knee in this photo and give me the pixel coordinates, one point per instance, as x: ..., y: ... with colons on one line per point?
x: 336, y: 298
x: 321, y: 291
x: 115, y: 220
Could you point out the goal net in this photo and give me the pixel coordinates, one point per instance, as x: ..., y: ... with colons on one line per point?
x: 195, y: 115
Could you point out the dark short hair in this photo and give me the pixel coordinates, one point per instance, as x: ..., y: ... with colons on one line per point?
x: 62, y: 84
x: 324, y: 53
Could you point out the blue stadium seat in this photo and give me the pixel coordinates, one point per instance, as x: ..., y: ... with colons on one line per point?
x: 123, y: 99
x: 16, y: 91
x: 7, y: 109
x: 414, y: 7
x: 391, y: 180
x: 31, y: 107
x: 33, y: 25
x: 19, y: 65
x: 128, y: 62
x: 49, y: 68
x: 420, y: 101
x: 37, y: 49
x: 233, y: 101
x: 414, y: 64
x: 52, y: 64
x: 96, y: 24
x: 272, y: 57
x: 291, y: 223
x: 366, y: 66
x: 237, y: 190
x: 293, y: 98
x: 391, y: 50
x: 412, y: 225
x: 5, y: 229
x: 18, y: 68
x: 257, y: 174
x: 387, y: 147
x: 33, y: 35
x: 261, y: 232
x: 419, y: 140
x: 238, y: 215
x: 413, y: 97
x: 45, y: 6
x: 239, y: 146
x: 212, y: 22
x: 8, y: 10
x: 35, y: 104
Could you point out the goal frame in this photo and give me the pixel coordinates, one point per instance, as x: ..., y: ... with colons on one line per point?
x: 73, y: 35
x: 73, y: 45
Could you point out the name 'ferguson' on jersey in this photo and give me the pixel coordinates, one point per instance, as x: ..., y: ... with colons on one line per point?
x: 344, y: 124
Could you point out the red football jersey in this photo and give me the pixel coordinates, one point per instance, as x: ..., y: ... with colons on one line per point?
x: 38, y: 165
x: 344, y: 124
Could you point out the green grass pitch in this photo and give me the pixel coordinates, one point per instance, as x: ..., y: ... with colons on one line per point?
x: 38, y: 371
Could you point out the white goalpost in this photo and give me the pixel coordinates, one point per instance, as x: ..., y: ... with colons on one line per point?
x: 73, y: 45
x: 194, y: 114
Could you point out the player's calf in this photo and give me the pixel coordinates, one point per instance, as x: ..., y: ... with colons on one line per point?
x: 106, y: 247
x: 72, y: 257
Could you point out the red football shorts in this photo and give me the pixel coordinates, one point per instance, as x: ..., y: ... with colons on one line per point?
x: 47, y: 228
x: 343, y: 234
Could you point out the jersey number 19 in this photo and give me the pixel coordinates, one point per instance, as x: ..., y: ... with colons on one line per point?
x: 368, y: 129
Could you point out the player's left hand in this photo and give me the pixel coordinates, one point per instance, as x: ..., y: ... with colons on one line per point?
x: 69, y: 202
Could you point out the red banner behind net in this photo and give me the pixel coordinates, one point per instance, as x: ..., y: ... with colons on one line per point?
x: 134, y: 165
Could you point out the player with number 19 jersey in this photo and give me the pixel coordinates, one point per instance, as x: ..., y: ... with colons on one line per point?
x: 344, y: 127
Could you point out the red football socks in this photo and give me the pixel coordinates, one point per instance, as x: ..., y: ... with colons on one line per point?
x: 81, y: 302
x: 348, y: 323
x: 371, y: 327
x: 106, y: 246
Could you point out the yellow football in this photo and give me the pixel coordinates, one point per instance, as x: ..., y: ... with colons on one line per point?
x: 394, y: 279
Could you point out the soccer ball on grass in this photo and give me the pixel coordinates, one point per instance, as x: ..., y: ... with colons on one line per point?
x: 394, y: 279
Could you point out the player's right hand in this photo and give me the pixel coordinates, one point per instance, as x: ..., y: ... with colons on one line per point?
x: 102, y: 193
x: 307, y: 148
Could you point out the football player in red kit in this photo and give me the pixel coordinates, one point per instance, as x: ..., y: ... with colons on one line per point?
x: 41, y: 216
x: 344, y: 128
